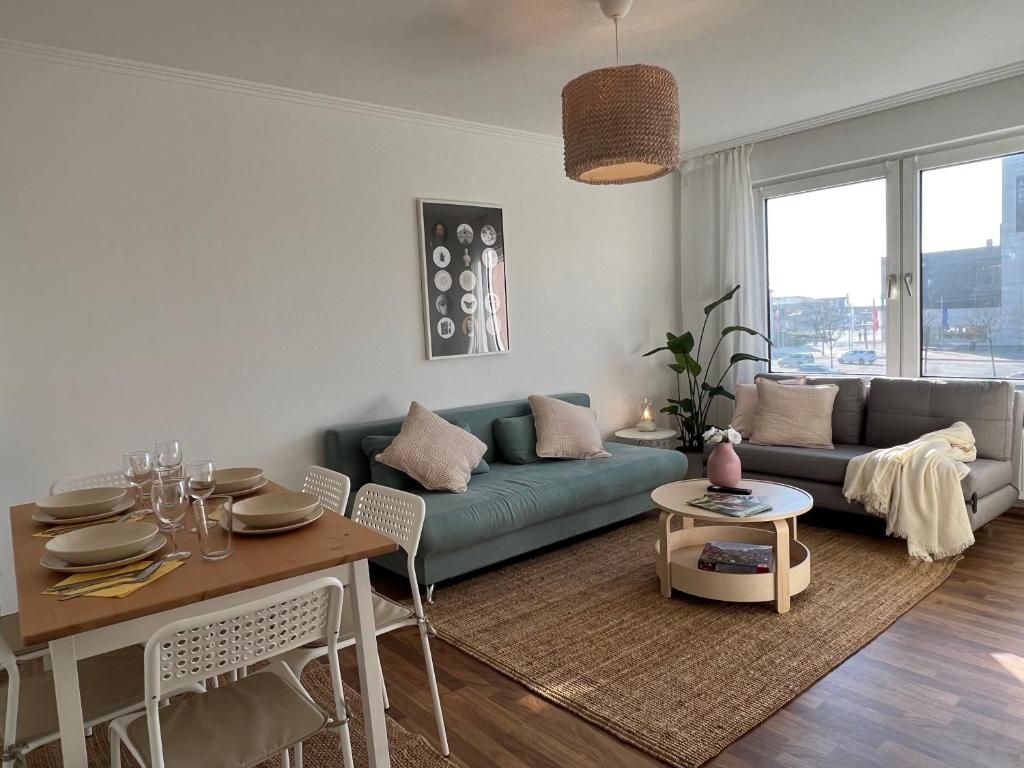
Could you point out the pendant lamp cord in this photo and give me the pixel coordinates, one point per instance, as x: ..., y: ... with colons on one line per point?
x: 616, y: 20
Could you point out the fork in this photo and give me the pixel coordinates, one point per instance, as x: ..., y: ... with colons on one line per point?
x: 134, y: 578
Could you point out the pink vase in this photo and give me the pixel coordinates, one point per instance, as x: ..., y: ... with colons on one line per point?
x: 724, y: 466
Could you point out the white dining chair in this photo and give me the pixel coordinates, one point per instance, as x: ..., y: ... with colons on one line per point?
x: 332, y: 488
x: 399, y: 516
x: 261, y: 715
x: 83, y: 482
x: 111, y: 685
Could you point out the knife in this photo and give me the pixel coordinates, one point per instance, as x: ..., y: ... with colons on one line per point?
x: 101, y: 579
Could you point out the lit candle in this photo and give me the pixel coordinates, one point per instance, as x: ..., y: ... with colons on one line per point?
x: 646, y: 423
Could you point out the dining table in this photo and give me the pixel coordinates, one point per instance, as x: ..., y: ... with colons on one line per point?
x: 258, y: 566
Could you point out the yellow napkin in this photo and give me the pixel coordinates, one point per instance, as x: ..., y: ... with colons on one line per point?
x: 117, y: 590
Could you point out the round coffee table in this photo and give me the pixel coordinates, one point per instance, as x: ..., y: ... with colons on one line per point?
x: 679, y: 550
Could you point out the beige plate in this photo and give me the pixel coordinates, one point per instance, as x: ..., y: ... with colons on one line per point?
x: 236, y: 479
x: 274, y: 509
x: 122, y: 506
x: 244, y: 491
x: 102, y: 543
x: 78, y: 503
x: 239, y: 527
x: 52, y: 563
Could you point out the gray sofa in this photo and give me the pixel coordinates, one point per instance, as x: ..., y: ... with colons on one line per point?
x: 512, y: 508
x: 882, y: 412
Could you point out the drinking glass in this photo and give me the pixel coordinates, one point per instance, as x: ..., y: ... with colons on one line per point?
x: 167, y: 453
x: 199, y: 475
x: 137, y: 468
x: 170, y: 502
x: 213, y: 523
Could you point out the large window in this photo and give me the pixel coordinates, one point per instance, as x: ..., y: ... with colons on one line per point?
x: 826, y: 270
x: 908, y: 268
x: 972, y: 269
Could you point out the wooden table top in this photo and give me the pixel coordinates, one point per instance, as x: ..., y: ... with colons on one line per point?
x: 255, y: 560
x: 786, y: 501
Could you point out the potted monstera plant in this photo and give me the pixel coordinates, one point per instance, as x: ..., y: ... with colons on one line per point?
x: 699, y: 381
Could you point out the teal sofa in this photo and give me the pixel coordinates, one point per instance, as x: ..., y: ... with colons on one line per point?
x: 513, y: 508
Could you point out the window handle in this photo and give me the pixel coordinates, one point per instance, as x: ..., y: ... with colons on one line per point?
x: 908, y: 280
x: 893, y: 289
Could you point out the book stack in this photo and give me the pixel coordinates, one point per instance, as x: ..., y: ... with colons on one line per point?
x: 736, y: 557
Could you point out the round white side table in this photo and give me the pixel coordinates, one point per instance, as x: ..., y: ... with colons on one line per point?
x: 659, y: 438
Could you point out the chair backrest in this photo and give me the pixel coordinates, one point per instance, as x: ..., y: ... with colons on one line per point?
x: 332, y: 488
x: 396, y: 514
x: 195, y: 649
x: 83, y: 482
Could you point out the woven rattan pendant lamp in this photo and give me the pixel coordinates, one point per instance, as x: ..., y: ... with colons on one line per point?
x: 620, y: 124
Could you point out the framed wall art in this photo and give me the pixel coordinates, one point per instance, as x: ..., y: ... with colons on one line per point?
x: 465, y: 301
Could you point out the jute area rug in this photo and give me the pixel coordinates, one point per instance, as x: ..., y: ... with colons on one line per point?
x: 586, y: 627
x: 322, y: 751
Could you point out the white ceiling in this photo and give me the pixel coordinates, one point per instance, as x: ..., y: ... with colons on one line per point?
x: 743, y: 66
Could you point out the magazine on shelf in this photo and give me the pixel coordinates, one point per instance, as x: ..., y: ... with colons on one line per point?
x: 733, y: 506
x: 736, y: 557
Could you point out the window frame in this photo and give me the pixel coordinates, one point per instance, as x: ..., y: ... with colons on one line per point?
x: 888, y: 171
x: 912, y: 168
x: 902, y: 173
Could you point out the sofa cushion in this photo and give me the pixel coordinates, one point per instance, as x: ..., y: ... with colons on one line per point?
x: 516, y: 438
x: 566, y: 431
x: 792, y: 415
x: 901, y: 410
x: 435, y: 453
x: 745, y: 412
x: 824, y: 465
x: 987, y: 476
x: 382, y: 474
x: 512, y: 497
x: 849, y: 408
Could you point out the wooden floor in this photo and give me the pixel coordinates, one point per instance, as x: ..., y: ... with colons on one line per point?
x: 943, y: 686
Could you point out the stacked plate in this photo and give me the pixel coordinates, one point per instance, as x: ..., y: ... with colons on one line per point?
x: 238, y: 481
x: 82, y: 506
x: 275, y: 512
x: 98, y: 547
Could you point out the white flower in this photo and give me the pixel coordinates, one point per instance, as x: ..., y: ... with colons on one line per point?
x: 733, y: 436
x: 713, y: 435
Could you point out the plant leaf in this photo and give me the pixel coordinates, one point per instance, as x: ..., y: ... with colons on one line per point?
x: 742, y: 328
x: 680, y: 344
x: 711, y: 307
x: 654, y: 351
x: 716, y: 391
x: 739, y: 357
x: 673, y: 409
x: 677, y: 367
x: 689, y: 364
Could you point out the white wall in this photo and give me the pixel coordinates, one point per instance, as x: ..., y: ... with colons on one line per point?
x: 985, y: 110
x: 240, y: 273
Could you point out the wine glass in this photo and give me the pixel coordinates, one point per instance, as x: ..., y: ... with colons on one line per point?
x: 199, y: 475
x: 168, y: 455
x: 137, y: 468
x: 170, y: 502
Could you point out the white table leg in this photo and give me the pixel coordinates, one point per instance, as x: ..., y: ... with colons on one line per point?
x: 369, y: 665
x: 69, y: 703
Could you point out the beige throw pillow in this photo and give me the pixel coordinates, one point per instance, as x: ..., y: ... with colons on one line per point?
x: 796, y: 416
x: 436, y: 454
x: 566, y: 431
x: 746, y: 406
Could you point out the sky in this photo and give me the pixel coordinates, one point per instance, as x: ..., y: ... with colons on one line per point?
x: 831, y: 242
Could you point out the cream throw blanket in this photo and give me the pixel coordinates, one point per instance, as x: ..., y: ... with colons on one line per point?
x: 916, y: 487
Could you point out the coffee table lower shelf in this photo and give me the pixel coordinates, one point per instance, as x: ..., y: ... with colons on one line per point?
x: 686, y: 545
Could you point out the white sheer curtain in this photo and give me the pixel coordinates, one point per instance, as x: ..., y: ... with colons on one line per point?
x: 719, y: 250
